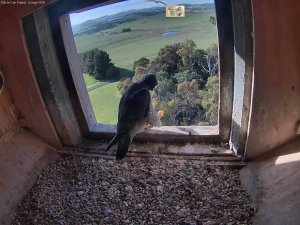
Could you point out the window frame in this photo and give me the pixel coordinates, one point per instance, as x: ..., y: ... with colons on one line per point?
x: 51, y: 28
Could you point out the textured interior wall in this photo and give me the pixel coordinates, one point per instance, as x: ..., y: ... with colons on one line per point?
x: 8, y: 121
x: 22, y: 154
x: 276, y: 87
x: 273, y: 182
x: 21, y: 100
x: 22, y: 157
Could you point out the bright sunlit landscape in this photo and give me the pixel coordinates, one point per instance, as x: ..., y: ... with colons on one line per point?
x: 118, y: 47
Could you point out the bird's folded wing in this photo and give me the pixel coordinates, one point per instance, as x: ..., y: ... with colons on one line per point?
x: 133, y: 110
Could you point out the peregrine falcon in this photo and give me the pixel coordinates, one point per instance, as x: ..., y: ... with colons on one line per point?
x: 135, y: 114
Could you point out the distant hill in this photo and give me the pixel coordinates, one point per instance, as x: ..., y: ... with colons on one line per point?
x: 107, y: 22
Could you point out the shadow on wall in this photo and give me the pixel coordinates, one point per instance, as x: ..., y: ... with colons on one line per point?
x: 238, y: 137
x: 274, y: 184
x: 1, y: 82
x: 297, y: 127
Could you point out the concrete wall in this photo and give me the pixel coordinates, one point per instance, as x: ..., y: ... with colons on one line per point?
x: 273, y: 181
x: 275, y: 112
x: 273, y: 146
x: 22, y: 157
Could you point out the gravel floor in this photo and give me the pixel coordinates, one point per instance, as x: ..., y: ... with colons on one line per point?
x: 86, y: 190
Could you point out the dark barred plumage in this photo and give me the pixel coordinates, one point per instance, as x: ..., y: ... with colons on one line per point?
x: 135, y: 112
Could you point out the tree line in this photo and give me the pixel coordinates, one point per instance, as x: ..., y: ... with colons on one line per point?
x: 188, y: 83
x: 98, y: 64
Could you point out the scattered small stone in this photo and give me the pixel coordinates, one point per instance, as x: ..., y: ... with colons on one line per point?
x: 108, y: 211
x: 85, y: 190
x: 128, y: 188
x: 210, y: 180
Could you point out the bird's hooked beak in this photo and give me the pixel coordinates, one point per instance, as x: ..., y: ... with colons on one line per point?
x: 152, y: 93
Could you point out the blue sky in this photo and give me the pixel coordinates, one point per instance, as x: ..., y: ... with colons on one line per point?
x: 111, y: 9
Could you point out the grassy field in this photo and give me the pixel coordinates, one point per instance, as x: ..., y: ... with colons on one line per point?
x: 105, y: 102
x: 89, y: 80
x: 146, y: 38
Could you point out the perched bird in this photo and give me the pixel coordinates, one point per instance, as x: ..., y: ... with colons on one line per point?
x: 135, y: 114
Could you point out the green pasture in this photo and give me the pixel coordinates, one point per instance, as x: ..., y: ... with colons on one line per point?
x: 89, y: 80
x: 145, y: 39
x: 105, y: 101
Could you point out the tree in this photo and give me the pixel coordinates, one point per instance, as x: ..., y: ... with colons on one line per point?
x: 102, y: 64
x: 211, y: 65
x: 126, y: 30
x: 186, y: 51
x: 204, y: 63
x: 161, y: 75
x: 189, y: 76
x: 124, y: 83
x: 167, y: 60
x: 182, y: 71
x: 83, y: 61
x: 199, y: 63
x: 209, y: 99
x: 189, y: 110
x: 97, y: 63
x: 138, y: 73
x: 188, y: 92
x: 165, y: 89
x: 90, y: 62
x: 142, y: 62
x: 170, y: 110
x: 112, y: 72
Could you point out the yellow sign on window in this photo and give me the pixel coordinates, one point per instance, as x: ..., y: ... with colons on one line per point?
x: 175, y: 11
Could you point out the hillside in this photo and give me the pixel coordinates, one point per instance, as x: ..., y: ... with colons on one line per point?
x: 146, y: 37
x: 143, y: 33
x: 108, y: 22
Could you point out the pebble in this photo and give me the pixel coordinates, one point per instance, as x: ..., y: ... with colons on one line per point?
x: 86, y: 190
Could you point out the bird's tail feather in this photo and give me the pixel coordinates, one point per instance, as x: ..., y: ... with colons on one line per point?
x: 113, y: 142
x: 123, y: 146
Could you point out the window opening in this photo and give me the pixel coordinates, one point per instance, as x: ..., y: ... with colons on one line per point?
x: 68, y: 102
x: 117, y: 43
